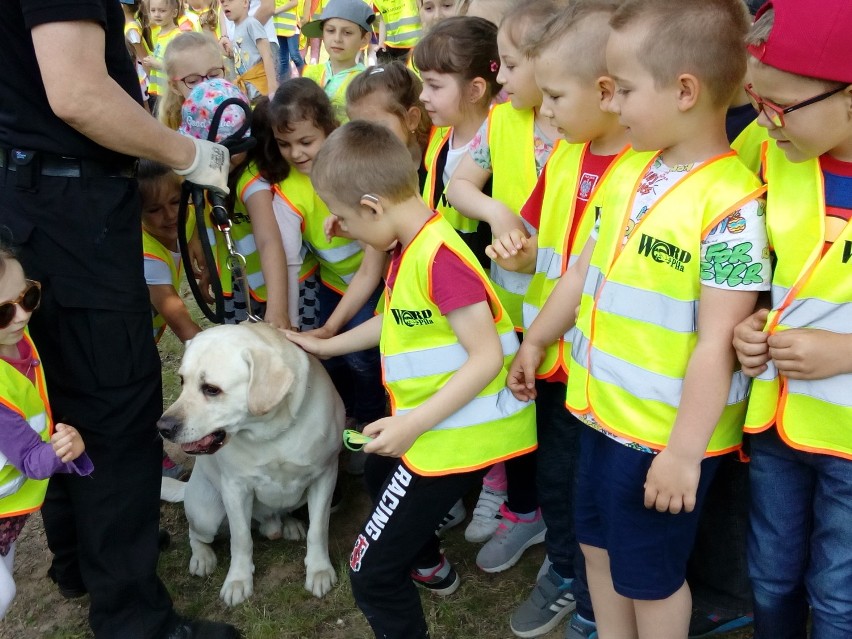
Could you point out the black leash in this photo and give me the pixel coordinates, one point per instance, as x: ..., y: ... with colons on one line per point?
x: 220, y: 219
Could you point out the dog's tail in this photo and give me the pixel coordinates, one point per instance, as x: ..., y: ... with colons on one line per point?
x: 172, y: 490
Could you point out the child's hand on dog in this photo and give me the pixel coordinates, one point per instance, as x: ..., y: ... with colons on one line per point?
x: 67, y: 443
x: 392, y: 436
x: 308, y: 343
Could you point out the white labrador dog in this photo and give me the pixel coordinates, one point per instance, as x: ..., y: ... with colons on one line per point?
x: 271, y: 415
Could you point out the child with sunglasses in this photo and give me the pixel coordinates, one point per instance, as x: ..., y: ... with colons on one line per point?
x: 30, y: 450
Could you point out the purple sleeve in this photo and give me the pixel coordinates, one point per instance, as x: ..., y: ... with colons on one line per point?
x: 24, y: 449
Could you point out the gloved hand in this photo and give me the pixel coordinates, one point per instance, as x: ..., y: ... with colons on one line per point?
x: 210, y: 167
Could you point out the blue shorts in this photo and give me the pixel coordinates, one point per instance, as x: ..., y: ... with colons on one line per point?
x: 648, y: 550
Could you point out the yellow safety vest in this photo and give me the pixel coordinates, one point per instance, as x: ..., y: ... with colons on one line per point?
x: 299, y: 195
x: 557, y: 250
x: 438, y: 139
x: 339, y: 259
x: 420, y: 353
x: 243, y: 237
x: 402, y: 22
x: 151, y: 247
x: 809, y: 290
x: 159, y: 80
x: 511, y: 138
x: 749, y: 146
x: 637, y: 326
x: 318, y: 73
x: 19, y: 494
x: 287, y: 22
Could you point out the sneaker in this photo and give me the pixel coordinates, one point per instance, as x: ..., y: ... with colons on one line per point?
x: 486, y: 515
x: 453, y: 518
x: 579, y: 628
x: 548, y: 604
x: 443, y: 579
x: 704, y: 624
x: 509, y: 542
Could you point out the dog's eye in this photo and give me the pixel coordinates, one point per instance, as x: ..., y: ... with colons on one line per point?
x: 210, y: 390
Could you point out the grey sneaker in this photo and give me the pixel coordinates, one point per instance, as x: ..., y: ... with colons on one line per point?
x: 579, y: 628
x: 509, y: 542
x: 548, y: 604
x: 486, y: 515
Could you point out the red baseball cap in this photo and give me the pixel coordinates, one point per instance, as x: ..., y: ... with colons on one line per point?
x: 810, y: 37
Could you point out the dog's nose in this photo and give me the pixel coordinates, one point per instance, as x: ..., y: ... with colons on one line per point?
x: 168, y: 426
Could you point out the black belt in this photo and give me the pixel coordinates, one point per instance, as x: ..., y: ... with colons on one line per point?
x: 60, y: 166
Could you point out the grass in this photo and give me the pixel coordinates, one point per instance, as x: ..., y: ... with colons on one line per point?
x: 280, y: 608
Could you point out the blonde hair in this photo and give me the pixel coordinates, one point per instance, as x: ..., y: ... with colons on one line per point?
x: 363, y: 158
x: 581, y: 30
x: 700, y: 37
x: 169, y: 104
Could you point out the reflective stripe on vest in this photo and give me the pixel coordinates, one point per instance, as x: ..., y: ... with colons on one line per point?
x: 810, y: 290
x: 438, y: 138
x: 557, y: 248
x: 244, y: 242
x: 286, y: 23
x: 637, y: 325
x: 339, y: 259
x: 511, y: 140
x: 402, y: 22
x: 152, y: 248
x: 421, y: 353
x: 18, y: 494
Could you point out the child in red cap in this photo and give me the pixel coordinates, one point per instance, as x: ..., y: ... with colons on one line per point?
x: 800, y: 351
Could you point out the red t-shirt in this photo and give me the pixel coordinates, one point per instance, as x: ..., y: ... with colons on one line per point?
x: 591, y: 172
x: 454, y: 283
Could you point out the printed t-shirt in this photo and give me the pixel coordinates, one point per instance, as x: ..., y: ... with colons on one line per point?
x: 739, y: 238
x: 838, y: 197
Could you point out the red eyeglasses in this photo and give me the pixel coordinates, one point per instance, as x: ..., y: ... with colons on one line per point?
x: 776, y: 113
x: 28, y: 300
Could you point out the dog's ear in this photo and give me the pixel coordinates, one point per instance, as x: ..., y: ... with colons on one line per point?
x: 269, y: 380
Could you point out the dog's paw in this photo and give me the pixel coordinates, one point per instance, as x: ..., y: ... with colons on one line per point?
x: 271, y: 527
x: 203, y: 560
x: 319, y: 582
x: 236, y: 591
x: 293, y: 529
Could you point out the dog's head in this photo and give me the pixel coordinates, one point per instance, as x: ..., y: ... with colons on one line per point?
x: 232, y: 377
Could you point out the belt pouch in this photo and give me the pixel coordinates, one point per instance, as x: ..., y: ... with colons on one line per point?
x: 27, y: 168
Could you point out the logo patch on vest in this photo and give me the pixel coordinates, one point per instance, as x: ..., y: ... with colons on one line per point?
x: 412, y: 318
x: 663, y: 252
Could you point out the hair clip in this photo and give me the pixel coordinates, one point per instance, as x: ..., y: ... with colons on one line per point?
x: 376, y: 69
x: 494, y: 66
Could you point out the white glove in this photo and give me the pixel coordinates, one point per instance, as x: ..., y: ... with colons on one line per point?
x: 210, y: 167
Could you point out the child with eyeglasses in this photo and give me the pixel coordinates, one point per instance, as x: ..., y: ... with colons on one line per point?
x: 799, y: 349
x: 31, y: 449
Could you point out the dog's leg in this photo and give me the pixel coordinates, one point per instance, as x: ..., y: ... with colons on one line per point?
x: 204, y: 512
x: 320, y: 575
x: 239, y: 584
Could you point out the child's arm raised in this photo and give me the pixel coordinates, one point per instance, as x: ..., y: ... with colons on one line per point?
x: 672, y: 480
x: 557, y: 316
x: 169, y: 304
x: 464, y: 193
x: 474, y: 327
x: 273, y: 260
